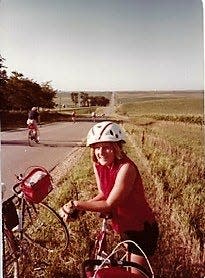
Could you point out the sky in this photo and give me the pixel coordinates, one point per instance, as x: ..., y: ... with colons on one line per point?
x: 105, y: 45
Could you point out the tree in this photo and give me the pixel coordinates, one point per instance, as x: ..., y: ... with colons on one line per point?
x: 3, y: 74
x: 99, y: 100
x: 74, y: 98
x: 47, y: 96
x: 3, y: 83
x: 23, y: 93
x: 84, y: 99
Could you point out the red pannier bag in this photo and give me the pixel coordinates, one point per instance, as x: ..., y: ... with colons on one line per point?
x: 114, y: 272
x: 37, y: 184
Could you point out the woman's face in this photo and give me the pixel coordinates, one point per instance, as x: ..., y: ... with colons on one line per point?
x: 104, y: 153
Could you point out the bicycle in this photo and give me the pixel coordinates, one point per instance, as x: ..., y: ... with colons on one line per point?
x: 104, y: 264
x: 32, y: 135
x: 28, y: 221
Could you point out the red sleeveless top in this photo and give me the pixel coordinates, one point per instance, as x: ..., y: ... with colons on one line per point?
x: 131, y: 214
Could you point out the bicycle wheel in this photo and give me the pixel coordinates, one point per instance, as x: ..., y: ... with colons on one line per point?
x: 44, y: 227
x: 30, y: 138
x: 10, y: 256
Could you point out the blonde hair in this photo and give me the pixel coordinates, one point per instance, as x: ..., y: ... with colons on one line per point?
x: 117, y: 148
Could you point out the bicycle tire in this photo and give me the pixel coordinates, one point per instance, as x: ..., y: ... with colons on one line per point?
x: 43, y: 227
x: 10, y: 257
x: 30, y: 138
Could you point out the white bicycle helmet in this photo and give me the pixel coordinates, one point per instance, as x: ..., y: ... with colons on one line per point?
x: 105, y: 132
x: 34, y: 108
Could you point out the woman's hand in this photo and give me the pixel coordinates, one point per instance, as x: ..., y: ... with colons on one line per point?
x: 68, y: 212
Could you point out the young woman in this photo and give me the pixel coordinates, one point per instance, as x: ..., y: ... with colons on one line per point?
x: 120, y: 190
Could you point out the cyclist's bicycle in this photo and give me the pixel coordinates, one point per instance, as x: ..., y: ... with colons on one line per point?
x: 105, y: 264
x: 32, y: 135
x: 27, y: 221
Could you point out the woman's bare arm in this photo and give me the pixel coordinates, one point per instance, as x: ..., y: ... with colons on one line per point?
x: 121, y: 189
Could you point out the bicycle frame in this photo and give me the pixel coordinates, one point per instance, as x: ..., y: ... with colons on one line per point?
x: 21, y: 207
x: 32, y: 127
x: 21, y: 210
x: 32, y: 134
x: 100, y: 248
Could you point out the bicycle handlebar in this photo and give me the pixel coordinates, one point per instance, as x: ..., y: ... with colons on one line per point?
x: 15, y: 196
x: 17, y: 185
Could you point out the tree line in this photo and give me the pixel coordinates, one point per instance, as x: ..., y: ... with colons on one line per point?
x: 20, y: 93
x: 85, y: 100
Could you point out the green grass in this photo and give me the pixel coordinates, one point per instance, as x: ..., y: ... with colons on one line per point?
x: 168, y: 106
x: 164, y: 107
x: 141, y: 96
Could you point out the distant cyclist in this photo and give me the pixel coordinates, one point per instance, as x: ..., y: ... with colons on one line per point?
x: 73, y: 116
x: 34, y: 118
x: 93, y: 116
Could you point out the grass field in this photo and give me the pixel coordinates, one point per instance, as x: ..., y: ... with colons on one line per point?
x: 173, y: 106
x: 169, y: 152
x: 163, y: 106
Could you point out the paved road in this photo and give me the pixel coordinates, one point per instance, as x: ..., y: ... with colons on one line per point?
x: 56, y: 142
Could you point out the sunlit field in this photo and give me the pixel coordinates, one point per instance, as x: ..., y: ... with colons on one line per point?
x: 164, y: 106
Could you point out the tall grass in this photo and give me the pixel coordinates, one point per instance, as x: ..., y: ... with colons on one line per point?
x: 172, y: 156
